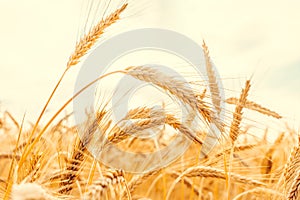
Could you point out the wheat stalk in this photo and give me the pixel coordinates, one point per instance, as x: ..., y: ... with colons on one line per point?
x: 12, y: 119
x: 148, y: 118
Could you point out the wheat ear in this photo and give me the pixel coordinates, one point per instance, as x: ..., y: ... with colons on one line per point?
x: 292, y: 165
x: 213, y: 84
x: 175, y: 123
x: 209, y: 172
x: 256, y: 107
x: 138, y: 180
x: 176, y: 87
x: 152, y: 118
x: 88, y: 40
x: 98, y: 188
x: 145, y: 118
x: 121, y: 133
x: 237, y: 115
x: 78, y: 155
x: 168, y: 119
x: 267, y: 162
x: 293, y: 193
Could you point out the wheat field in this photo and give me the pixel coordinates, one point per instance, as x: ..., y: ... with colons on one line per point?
x: 50, y: 161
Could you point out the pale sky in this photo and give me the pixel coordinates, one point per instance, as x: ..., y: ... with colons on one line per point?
x: 245, y: 38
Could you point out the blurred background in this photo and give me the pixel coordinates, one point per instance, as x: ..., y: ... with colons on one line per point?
x: 247, y: 39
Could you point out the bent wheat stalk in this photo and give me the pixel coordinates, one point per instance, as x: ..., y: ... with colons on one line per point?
x: 81, y: 49
x: 40, y: 134
x: 11, y: 172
